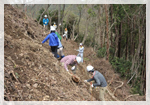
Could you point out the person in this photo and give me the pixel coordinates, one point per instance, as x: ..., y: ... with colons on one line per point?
x: 54, y: 25
x: 58, y: 35
x: 81, y: 49
x: 70, y: 60
x: 60, y: 49
x: 100, y: 81
x: 65, y: 34
x: 45, y: 22
x: 53, y: 41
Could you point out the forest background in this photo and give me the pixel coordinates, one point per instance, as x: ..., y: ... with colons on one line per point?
x: 117, y: 32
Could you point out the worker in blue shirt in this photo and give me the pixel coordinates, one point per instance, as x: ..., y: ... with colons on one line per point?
x: 45, y: 22
x: 53, y: 41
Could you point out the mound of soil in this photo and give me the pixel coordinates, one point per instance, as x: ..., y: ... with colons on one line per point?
x: 32, y: 73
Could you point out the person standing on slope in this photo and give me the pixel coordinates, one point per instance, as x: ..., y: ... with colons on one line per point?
x: 65, y: 34
x: 54, y: 25
x: 60, y: 49
x: 58, y: 35
x: 53, y: 41
x: 45, y: 22
x: 72, y: 60
x: 81, y: 50
x: 100, y: 81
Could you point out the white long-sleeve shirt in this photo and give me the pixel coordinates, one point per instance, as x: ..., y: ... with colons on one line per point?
x: 81, y: 49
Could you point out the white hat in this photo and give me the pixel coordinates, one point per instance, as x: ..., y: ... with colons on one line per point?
x: 45, y: 16
x: 89, y: 68
x: 73, y: 68
x: 78, y: 59
x: 80, y: 44
x: 52, y: 28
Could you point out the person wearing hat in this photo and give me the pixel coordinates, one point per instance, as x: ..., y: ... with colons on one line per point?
x: 60, y: 49
x: 45, y: 22
x: 70, y: 60
x: 54, y: 25
x: 100, y: 81
x: 65, y: 33
x: 81, y: 49
x: 53, y: 41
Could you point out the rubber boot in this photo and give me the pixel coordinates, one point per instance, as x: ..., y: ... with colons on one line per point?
x: 57, y: 56
x: 62, y: 56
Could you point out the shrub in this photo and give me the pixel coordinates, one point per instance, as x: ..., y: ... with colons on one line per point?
x: 121, y: 65
x: 101, y: 52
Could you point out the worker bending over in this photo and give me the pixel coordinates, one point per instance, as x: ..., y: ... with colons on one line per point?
x: 72, y: 60
x: 100, y: 81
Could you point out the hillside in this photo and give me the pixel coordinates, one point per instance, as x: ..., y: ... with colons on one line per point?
x: 31, y: 73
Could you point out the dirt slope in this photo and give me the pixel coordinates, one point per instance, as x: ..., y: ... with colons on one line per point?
x: 31, y: 73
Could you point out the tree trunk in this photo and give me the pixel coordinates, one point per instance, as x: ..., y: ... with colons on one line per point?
x: 43, y: 13
x: 107, y: 34
x: 119, y: 41
x: 62, y: 17
x: 86, y: 32
x: 59, y: 9
x: 116, y: 41
x: 111, y: 7
x: 136, y: 57
x: 127, y: 40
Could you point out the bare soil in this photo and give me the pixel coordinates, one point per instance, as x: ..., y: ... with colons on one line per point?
x: 31, y: 73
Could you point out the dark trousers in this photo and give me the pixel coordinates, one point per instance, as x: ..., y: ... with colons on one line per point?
x: 54, y: 50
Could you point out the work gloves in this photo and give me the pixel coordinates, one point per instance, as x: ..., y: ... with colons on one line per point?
x: 85, y: 80
x: 92, y: 85
x: 73, y: 68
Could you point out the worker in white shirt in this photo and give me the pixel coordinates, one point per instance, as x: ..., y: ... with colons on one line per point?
x: 65, y: 33
x: 54, y: 25
x: 81, y: 50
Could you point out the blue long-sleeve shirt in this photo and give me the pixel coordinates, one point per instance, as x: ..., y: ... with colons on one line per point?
x: 53, y: 39
x: 45, y: 20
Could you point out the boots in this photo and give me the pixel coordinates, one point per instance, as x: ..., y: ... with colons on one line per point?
x: 62, y: 56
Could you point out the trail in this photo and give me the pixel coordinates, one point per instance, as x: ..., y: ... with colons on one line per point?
x: 31, y: 73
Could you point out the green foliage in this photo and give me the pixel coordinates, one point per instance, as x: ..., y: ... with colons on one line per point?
x: 80, y: 38
x: 38, y: 17
x: 136, y: 88
x: 86, y: 59
x: 91, y: 12
x: 17, y: 75
x: 121, y: 65
x: 101, y: 52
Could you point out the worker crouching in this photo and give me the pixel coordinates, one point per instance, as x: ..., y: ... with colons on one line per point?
x: 100, y: 81
x: 72, y: 60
